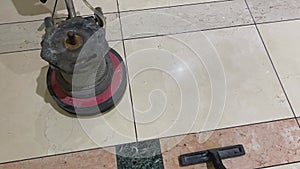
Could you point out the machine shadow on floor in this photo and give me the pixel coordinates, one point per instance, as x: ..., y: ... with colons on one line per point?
x: 44, y: 93
x: 35, y: 7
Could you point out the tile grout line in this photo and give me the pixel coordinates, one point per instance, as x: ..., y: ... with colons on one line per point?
x: 98, y: 148
x: 175, y: 6
x: 284, y: 164
x: 177, y: 33
x: 20, y: 22
x: 227, y: 128
x: 34, y: 49
x: 18, y: 51
x: 155, y: 8
x: 278, y: 21
x: 143, y: 37
x: 42, y: 19
x: 272, y: 63
x: 191, y: 31
x: 130, y: 87
x: 54, y: 155
x: 118, y: 11
x: 129, y: 84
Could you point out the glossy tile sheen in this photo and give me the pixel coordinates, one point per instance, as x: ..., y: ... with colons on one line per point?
x: 177, y: 83
x: 141, y: 155
x: 33, y: 126
x: 157, y: 81
x: 92, y: 159
x: 265, y: 144
x: 184, y: 18
x: 24, y: 36
x: 253, y: 91
x: 282, y: 41
x: 145, y: 4
x: 275, y: 10
x: 28, y: 10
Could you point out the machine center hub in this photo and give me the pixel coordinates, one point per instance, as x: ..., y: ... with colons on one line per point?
x: 73, y: 41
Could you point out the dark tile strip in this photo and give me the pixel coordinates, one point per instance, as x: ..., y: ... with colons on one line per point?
x: 270, y: 58
x: 140, y: 155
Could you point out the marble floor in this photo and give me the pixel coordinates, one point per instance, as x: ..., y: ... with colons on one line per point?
x: 202, y: 74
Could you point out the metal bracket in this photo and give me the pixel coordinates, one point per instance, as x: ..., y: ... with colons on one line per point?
x: 71, y: 8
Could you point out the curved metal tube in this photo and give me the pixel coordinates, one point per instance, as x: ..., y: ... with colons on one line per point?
x: 71, y: 9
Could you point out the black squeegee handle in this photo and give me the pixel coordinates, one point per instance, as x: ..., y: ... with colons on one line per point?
x: 213, y: 155
x: 215, y: 158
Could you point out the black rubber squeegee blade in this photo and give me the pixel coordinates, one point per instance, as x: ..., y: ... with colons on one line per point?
x: 213, y: 155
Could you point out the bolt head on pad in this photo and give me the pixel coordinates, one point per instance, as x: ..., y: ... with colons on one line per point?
x: 73, y: 41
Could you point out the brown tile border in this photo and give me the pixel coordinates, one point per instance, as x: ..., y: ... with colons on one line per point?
x: 92, y: 159
x: 265, y: 144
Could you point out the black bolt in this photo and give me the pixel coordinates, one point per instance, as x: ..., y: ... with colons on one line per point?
x: 71, y: 38
x: 43, y: 1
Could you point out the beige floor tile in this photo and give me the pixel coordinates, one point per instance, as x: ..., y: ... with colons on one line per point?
x: 144, y: 4
x: 282, y: 41
x: 275, y: 10
x: 24, y: 36
x: 184, y: 18
x: 289, y: 166
x: 27, y: 10
x: 253, y: 90
x: 178, y: 86
x: 31, y: 123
